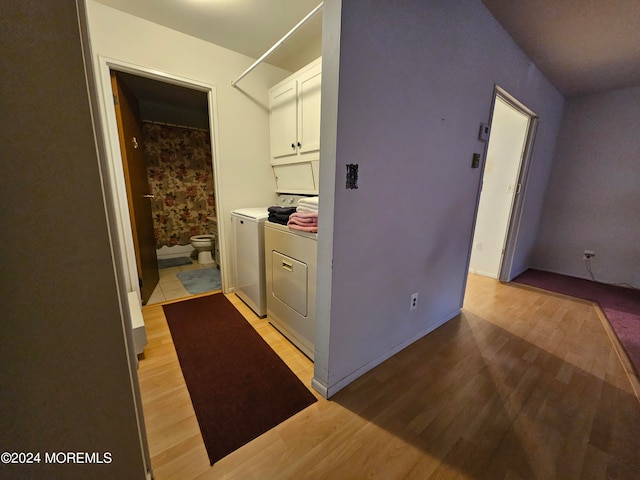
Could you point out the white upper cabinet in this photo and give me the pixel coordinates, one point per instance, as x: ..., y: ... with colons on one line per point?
x: 283, y: 121
x: 309, y: 110
x: 295, y: 116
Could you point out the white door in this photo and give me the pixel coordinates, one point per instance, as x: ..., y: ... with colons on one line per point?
x: 509, y: 130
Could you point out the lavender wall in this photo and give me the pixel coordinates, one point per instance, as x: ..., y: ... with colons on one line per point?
x: 593, y: 195
x: 414, y: 83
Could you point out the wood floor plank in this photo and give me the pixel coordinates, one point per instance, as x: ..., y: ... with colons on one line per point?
x: 522, y: 385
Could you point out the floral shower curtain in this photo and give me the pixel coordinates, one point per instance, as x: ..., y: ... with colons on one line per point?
x: 181, y: 180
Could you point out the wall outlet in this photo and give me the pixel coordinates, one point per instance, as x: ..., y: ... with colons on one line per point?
x: 589, y: 254
x: 414, y: 301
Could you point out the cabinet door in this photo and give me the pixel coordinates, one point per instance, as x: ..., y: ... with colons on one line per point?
x: 283, y: 120
x: 309, y: 85
x: 295, y: 177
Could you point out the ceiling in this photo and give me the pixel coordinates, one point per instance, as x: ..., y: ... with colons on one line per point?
x: 249, y: 27
x: 582, y: 46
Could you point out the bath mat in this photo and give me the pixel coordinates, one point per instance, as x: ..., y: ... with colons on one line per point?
x: 173, y: 262
x: 239, y: 386
x: 200, y: 280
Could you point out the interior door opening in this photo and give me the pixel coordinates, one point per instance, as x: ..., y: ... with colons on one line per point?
x: 504, y: 181
x: 176, y: 185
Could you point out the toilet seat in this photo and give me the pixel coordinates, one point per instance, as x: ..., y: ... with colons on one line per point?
x: 202, y: 238
x: 204, y: 244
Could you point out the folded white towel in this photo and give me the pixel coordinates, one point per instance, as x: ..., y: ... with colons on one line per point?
x: 309, y: 201
x: 306, y: 209
x: 307, y: 205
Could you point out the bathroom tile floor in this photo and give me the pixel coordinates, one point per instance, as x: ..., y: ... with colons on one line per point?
x: 170, y: 287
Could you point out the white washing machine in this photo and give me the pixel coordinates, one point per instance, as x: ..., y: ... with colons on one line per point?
x: 291, y: 259
x: 248, y: 229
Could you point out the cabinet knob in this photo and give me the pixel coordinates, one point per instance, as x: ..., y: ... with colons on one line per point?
x: 293, y: 146
x: 299, y: 145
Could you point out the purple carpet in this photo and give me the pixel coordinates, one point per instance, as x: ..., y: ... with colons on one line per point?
x: 620, y: 305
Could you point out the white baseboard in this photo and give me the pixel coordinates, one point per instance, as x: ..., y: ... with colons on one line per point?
x: 320, y: 388
x: 330, y: 390
x: 483, y: 274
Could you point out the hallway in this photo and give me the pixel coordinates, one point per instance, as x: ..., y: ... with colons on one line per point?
x: 522, y: 385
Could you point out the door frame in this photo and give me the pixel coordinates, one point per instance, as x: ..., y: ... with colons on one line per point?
x: 115, y: 181
x: 130, y: 123
x: 522, y: 179
x: 515, y: 216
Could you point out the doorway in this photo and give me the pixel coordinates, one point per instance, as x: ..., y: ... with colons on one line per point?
x: 503, y: 184
x: 177, y: 123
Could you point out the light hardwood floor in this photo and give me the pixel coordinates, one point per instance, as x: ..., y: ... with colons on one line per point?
x: 522, y: 385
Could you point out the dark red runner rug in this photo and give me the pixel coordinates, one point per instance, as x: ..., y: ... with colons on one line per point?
x: 620, y: 305
x: 238, y: 385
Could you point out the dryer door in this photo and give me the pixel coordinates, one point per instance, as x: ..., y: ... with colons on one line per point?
x: 289, y: 282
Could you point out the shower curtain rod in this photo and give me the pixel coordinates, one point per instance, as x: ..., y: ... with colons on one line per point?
x: 156, y: 122
x: 277, y: 44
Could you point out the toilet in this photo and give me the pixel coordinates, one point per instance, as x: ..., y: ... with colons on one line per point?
x: 204, y: 245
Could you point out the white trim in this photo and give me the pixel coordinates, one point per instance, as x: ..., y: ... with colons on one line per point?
x: 522, y: 178
x: 318, y: 387
x: 329, y: 390
x: 484, y: 274
x: 221, y: 237
x: 115, y: 177
x: 327, y: 191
